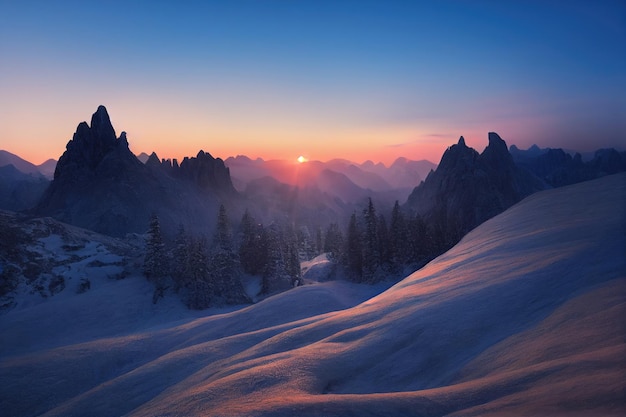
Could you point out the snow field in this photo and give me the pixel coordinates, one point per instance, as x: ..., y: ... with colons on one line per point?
x: 523, y: 317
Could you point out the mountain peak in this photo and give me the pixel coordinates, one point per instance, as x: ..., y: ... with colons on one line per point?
x: 102, y: 127
x: 122, y: 140
x: 101, y: 185
x: 153, y: 160
x: 489, y: 183
x: 90, y: 145
x: 496, y: 141
x: 497, y: 152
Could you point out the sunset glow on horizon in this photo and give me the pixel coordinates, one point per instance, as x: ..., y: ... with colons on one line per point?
x: 352, y: 80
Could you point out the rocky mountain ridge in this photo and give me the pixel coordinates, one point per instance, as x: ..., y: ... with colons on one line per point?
x: 45, y: 169
x: 468, y: 188
x: 99, y: 184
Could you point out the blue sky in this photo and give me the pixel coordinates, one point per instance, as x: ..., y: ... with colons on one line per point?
x: 351, y: 79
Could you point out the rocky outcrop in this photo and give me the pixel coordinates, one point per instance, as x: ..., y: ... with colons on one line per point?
x: 206, y: 172
x: 94, y: 149
x: 99, y: 184
x: 203, y: 171
x: 468, y: 188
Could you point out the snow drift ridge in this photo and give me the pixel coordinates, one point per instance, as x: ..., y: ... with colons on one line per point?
x: 523, y: 316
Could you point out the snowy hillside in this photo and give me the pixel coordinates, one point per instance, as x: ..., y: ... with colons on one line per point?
x: 525, y: 316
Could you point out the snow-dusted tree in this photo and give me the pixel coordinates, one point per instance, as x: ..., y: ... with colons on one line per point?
x: 421, y: 242
x: 199, y: 295
x: 224, y: 267
x: 223, y: 237
x: 275, y: 268
x: 293, y: 258
x: 354, y: 250
x: 252, y: 247
x: 371, y: 252
x: 155, y: 262
x: 306, y: 251
x: 319, y: 245
x: 282, y: 270
x: 398, y: 239
x: 384, y: 253
x: 180, y: 259
x: 198, y: 285
x: 333, y: 244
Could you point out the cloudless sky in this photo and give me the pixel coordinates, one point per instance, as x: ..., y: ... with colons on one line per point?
x: 280, y: 78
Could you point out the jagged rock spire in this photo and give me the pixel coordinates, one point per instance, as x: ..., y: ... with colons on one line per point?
x: 101, y: 126
x: 497, y: 142
x: 90, y: 145
x: 100, y: 184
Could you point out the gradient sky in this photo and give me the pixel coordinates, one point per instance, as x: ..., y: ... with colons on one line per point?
x: 279, y: 78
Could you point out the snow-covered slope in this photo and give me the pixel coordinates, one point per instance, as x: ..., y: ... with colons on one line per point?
x: 525, y: 316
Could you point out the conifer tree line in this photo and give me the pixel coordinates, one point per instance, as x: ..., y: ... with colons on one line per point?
x: 378, y: 247
x: 208, y: 272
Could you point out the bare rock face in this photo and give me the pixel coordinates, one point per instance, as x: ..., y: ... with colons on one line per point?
x: 468, y: 188
x: 99, y: 184
x: 90, y: 147
x: 206, y: 172
x: 203, y: 171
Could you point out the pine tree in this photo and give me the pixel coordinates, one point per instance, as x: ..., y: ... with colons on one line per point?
x: 155, y: 262
x: 282, y: 270
x: 224, y: 267
x: 180, y: 259
x: 252, y: 247
x: 354, y: 251
x: 293, y: 258
x: 275, y: 268
x: 223, y: 236
x: 305, y: 246
x: 371, y: 258
x: 419, y: 243
x: 398, y: 239
x: 384, y: 252
x: 199, y: 288
x: 333, y: 244
x: 319, y: 246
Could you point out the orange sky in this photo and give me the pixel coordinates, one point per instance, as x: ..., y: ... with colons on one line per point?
x: 354, y: 80
x: 179, y: 134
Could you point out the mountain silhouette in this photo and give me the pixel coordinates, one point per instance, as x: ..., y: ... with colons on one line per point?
x: 468, y: 188
x: 99, y: 184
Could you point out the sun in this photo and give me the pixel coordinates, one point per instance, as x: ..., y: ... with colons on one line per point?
x: 301, y: 159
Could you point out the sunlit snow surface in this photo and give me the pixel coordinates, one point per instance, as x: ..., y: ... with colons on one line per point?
x: 525, y: 316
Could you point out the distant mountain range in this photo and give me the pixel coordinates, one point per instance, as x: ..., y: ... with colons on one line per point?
x: 21, y: 182
x: 335, y: 188
x: 402, y: 174
x: 558, y: 167
x: 101, y: 185
x: 46, y: 169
